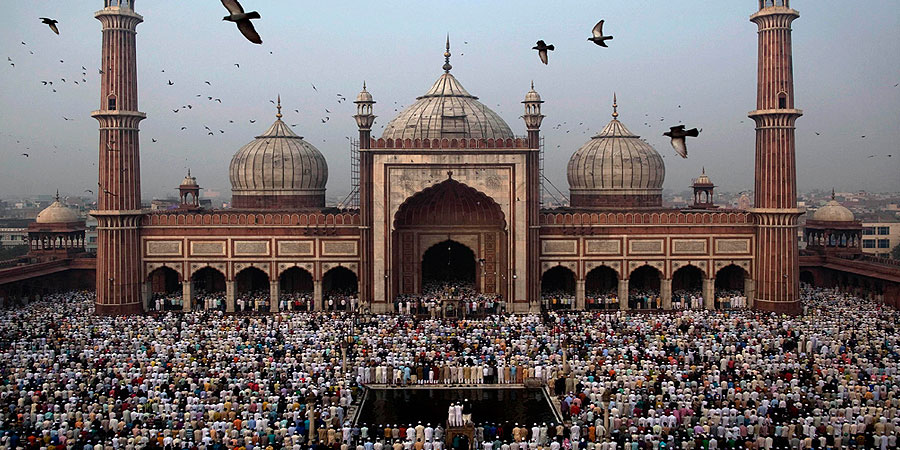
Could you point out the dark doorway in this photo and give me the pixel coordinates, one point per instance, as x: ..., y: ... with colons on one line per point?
x: 558, y: 288
x: 340, y: 287
x: 252, y: 290
x: 209, y: 289
x: 296, y: 290
x: 601, y: 287
x: 165, y: 288
x: 448, y: 262
x: 687, y: 278
x: 643, y: 287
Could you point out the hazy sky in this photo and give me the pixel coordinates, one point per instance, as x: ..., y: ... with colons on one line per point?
x: 700, y: 55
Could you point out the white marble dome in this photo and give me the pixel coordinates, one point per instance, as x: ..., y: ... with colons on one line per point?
x: 57, y: 212
x: 616, y: 168
x: 447, y: 110
x: 278, y: 163
x: 833, y: 212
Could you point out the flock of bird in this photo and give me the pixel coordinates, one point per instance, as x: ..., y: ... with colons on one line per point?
x: 677, y: 134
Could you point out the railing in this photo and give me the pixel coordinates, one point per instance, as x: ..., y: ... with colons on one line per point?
x: 871, y: 259
x: 19, y: 271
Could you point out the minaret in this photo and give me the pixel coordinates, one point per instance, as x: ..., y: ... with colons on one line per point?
x: 533, y: 119
x: 775, y: 206
x: 365, y: 117
x: 119, y: 187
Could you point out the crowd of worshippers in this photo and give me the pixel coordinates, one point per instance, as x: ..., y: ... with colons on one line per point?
x: 435, y: 294
x: 692, y: 379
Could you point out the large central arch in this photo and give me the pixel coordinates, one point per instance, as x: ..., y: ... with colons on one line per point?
x: 449, y: 211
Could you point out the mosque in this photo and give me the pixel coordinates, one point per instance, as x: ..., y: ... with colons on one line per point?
x: 448, y: 191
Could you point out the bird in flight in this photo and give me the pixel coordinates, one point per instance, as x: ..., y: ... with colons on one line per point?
x: 50, y: 23
x: 678, y: 135
x: 314, y: 87
x: 183, y: 128
x: 26, y: 155
x: 170, y: 83
x: 106, y: 191
x: 207, y: 82
x: 542, y: 49
x: 237, y: 65
x: 154, y: 140
x: 88, y: 190
x: 598, y: 37
x: 242, y: 19
x: 252, y: 121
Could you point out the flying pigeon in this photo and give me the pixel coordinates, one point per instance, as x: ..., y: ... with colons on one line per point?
x: 598, y: 37
x: 207, y: 82
x: 88, y: 190
x: 106, y: 191
x: 170, y: 83
x: 242, y: 19
x: 26, y: 155
x: 542, y: 48
x: 50, y: 23
x: 678, y: 135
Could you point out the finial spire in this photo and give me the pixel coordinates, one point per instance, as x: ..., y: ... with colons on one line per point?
x: 615, y: 113
x: 703, y: 172
x: 57, y: 195
x: 364, y: 84
x: 278, y: 115
x: 447, y: 65
x: 832, y: 193
x: 189, y: 172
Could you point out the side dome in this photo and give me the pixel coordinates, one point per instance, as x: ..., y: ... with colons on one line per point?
x: 447, y: 110
x: 833, y: 212
x: 278, y: 170
x: 57, y: 212
x: 616, y: 169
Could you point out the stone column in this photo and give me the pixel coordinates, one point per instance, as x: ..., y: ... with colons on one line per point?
x: 146, y: 293
x: 317, y: 295
x: 623, y: 294
x: 274, y: 295
x: 665, y: 291
x: 709, y: 293
x: 749, y: 291
x: 229, y: 296
x: 579, y: 295
x: 187, y: 295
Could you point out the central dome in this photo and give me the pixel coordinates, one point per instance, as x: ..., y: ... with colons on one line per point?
x: 616, y: 168
x: 447, y: 110
x: 278, y: 170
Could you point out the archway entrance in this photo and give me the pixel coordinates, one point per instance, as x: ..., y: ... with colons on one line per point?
x: 730, y: 292
x: 601, y: 288
x: 295, y: 290
x: 473, y: 226
x: 340, y: 288
x: 643, y: 287
x: 448, y: 263
x: 805, y: 277
x: 165, y: 290
x: 209, y: 289
x: 687, y: 288
x: 252, y: 290
x: 558, y: 288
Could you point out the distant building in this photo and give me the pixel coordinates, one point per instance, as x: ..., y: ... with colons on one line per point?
x: 13, y: 232
x: 879, y: 238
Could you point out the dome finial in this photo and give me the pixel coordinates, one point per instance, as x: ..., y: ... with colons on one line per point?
x: 278, y: 115
x: 615, y: 113
x: 703, y: 171
x: 189, y: 171
x: 832, y: 193
x: 532, y: 85
x: 57, y: 195
x: 364, y: 84
x: 447, y: 65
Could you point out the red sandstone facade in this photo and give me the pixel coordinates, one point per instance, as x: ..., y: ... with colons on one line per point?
x: 481, y: 193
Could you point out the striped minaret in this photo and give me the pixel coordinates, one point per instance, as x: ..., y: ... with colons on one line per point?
x: 775, y: 208
x: 119, y: 186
